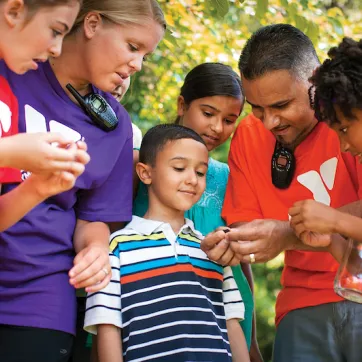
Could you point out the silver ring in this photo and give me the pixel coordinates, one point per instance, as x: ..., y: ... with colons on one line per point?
x: 105, y: 271
x: 252, y: 258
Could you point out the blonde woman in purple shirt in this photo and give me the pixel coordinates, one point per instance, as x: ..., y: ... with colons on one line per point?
x: 62, y: 244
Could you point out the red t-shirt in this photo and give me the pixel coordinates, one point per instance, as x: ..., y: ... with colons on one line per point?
x: 321, y: 174
x: 8, y: 126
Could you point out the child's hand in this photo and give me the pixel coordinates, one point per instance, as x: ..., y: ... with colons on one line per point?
x: 313, y: 222
x: 217, y: 247
x: 50, y: 184
x: 35, y: 153
x: 53, y: 183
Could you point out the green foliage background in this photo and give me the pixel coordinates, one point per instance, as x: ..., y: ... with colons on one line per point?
x: 216, y: 30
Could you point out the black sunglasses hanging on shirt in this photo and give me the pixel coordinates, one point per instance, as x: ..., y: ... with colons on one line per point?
x: 98, y: 109
x: 282, y: 166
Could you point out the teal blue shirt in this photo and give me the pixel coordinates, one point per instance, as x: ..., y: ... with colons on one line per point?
x: 206, y: 216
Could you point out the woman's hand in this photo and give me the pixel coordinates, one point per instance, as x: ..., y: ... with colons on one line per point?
x: 92, y: 268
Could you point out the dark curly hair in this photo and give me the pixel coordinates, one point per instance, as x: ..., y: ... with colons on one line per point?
x: 338, y: 82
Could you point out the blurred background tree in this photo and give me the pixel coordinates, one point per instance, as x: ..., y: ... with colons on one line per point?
x: 216, y: 30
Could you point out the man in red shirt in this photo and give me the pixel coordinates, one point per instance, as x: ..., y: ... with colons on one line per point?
x: 279, y: 155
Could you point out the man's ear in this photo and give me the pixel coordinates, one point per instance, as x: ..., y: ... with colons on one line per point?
x: 181, y: 106
x: 92, y: 22
x: 14, y: 12
x: 144, y: 173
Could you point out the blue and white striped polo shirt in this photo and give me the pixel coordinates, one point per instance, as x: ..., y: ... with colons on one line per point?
x: 169, y: 299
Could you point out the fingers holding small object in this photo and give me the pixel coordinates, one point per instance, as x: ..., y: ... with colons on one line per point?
x: 252, y: 258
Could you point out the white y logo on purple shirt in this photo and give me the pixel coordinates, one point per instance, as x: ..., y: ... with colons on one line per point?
x: 5, y: 118
x: 36, y: 122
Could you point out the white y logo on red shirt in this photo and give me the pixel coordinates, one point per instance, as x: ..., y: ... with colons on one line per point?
x: 318, y: 183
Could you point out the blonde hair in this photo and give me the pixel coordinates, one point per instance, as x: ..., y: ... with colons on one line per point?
x: 123, y: 12
x: 34, y: 5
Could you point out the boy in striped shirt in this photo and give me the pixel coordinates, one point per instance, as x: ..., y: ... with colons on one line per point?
x: 167, y: 300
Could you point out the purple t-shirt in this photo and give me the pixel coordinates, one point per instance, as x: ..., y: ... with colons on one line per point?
x: 37, y: 253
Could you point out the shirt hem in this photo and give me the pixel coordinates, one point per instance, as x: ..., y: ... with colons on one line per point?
x: 235, y: 313
x: 280, y: 316
x: 91, y: 324
x: 38, y: 325
x: 105, y: 218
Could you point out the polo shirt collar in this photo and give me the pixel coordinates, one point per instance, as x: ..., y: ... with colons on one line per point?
x: 146, y: 227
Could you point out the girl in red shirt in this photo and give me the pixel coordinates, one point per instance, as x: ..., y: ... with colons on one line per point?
x: 32, y: 31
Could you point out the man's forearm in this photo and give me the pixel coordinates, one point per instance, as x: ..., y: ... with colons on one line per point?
x: 355, y: 208
x: 290, y: 240
x: 338, y: 247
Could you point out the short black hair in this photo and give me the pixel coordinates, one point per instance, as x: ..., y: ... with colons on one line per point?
x: 278, y: 47
x: 208, y: 80
x: 338, y: 82
x: 157, y: 137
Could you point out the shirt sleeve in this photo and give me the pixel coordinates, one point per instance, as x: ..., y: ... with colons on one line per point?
x: 111, y: 201
x: 241, y: 203
x: 104, y: 307
x: 137, y: 137
x: 9, y: 114
x: 233, y: 303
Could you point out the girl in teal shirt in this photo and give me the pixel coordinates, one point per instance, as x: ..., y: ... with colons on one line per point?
x: 210, y: 103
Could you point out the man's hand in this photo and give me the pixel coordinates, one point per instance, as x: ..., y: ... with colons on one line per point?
x: 261, y: 239
x: 37, y: 153
x: 217, y: 247
x: 92, y: 268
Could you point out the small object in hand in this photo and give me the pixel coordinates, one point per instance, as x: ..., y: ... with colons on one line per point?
x: 226, y: 230
x: 252, y: 258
